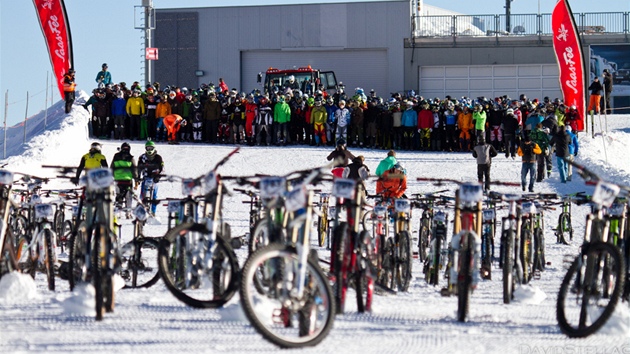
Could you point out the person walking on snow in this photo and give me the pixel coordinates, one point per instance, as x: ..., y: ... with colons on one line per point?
x: 484, y: 153
x: 528, y: 150
x: 573, y: 151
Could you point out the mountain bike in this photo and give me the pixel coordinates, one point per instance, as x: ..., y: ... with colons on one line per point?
x: 438, y: 248
x: 564, y: 227
x: 488, y: 227
x: 377, y: 223
x: 352, y: 253
x: 299, y: 305
x: 425, y: 202
x: 8, y: 260
x: 595, y: 279
x: 403, y: 255
x: 196, y: 260
x: 323, y: 220
x: 139, y: 256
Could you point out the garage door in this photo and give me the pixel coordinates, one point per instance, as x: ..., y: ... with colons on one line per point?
x: 535, y: 81
x: 355, y: 68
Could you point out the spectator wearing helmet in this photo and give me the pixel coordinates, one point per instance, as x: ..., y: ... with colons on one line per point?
x: 298, y: 117
x: 465, y: 124
x: 68, y: 89
x: 101, y: 113
x: 251, y: 110
x: 409, y: 121
x: 342, y: 117
x: 484, y: 153
x: 450, y: 121
x: 596, y: 96
x: 211, y: 115
x: 281, y: 119
x: 104, y: 77
x: 319, y: 116
x: 264, y: 121
x: 608, y: 89
x: 392, y: 184
x: 150, y: 106
x: 479, y: 117
x: 495, y: 118
x: 371, y: 116
x: 357, y: 119
x: 572, y: 117
x: 331, y: 123
x: 510, y: 133
x: 397, y: 128
x: 542, y: 139
x: 163, y: 109
x: 125, y: 172
x: 150, y: 166
x: 237, y: 117
x: 119, y: 113
x: 176, y: 106
x: 357, y: 171
x: 93, y: 159
x: 135, y: 109
x: 560, y: 113
x: 340, y: 156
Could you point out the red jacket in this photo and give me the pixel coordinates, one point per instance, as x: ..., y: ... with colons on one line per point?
x: 425, y: 119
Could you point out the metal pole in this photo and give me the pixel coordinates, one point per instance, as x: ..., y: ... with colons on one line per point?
x: 25, y: 118
x: 45, y: 104
x: 148, y: 12
x: 6, y: 109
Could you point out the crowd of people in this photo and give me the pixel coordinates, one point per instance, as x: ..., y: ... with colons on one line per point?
x: 215, y: 114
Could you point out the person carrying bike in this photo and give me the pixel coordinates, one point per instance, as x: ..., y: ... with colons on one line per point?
x: 150, y: 166
x: 93, y: 159
x: 125, y: 172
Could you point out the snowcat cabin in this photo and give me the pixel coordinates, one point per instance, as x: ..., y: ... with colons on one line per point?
x: 305, y: 79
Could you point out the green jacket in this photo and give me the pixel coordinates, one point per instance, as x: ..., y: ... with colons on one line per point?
x: 124, y: 167
x: 385, y: 165
x: 480, y: 120
x: 282, y: 112
x: 540, y: 137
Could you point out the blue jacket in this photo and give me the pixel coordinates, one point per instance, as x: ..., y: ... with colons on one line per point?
x: 410, y: 118
x: 574, y: 146
x: 104, y: 76
x: 119, y: 107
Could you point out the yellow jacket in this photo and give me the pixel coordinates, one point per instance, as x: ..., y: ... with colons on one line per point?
x: 135, y: 106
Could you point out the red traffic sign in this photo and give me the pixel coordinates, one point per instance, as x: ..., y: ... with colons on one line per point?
x: 151, y: 53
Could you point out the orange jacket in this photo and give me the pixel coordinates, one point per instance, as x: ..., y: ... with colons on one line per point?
x: 68, y: 83
x: 393, y: 187
x: 163, y: 109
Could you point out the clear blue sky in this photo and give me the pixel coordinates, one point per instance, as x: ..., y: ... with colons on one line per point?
x: 103, y: 31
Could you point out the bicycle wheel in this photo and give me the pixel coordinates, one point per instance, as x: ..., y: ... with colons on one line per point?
x: 486, y: 256
x: 139, y: 266
x: 279, y: 314
x: 464, y: 279
x: 97, y: 268
x: 539, y: 250
x: 50, y: 258
x: 261, y: 236
x: 19, y: 224
x: 64, y: 237
x: 527, y: 255
x: 564, y: 228
x: 209, y: 282
x: 58, y: 221
x: 322, y: 228
x: 77, y: 267
x: 582, y: 308
x: 423, y: 241
x: 507, y: 251
x: 403, y: 261
x: 26, y: 263
x: 434, y: 265
x: 365, y: 280
x: 8, y: 260
x: 343, y: 260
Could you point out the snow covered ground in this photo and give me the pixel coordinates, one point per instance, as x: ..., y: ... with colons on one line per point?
x: 33, y: 319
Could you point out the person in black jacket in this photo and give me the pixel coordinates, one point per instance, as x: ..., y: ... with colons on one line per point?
x: 484, y: 153
x: 608, y: 88
x: 340, y: 156
x: 510, y: 128
x: 561, y: 141
x: 596, y: 95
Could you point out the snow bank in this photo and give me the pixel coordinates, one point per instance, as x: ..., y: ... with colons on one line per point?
x: 529, y: 294
x: 17, y: 287
x: 81, y: 302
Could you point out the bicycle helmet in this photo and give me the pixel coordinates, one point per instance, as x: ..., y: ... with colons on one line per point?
x: 125, y: 147
x: 95, y: 147
x: 149, y: 147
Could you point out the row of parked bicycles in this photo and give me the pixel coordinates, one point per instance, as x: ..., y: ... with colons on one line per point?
x: 313, y: 240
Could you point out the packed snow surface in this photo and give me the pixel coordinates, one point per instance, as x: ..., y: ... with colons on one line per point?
x: 34, y: 319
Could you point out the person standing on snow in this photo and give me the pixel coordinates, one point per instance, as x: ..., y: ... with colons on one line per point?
x: 118, y: 113
x: 561, y: 140
x: 540, y: 137
x: 596, y: 96
x: 484, y: 153
x: 135, y: 109
x: 608, y: 88
x: 68, y: 89
x: 104, y: 77
x: 342, y: 117
x: 573, y: 151
x: 528, y: 150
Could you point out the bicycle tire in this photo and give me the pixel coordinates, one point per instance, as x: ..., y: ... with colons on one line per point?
x: 562, y: 228
x: 423, y: 242
x: 526, y: 255
x: 365, y: 280
x: 404, y: 261
x: 58, y: 221
x: 261, y: 237
x: 49, y: 259
x: 566, y: 306
x: 507, y: 253
x: 539, y: 250
x: 96, y: 268
x: 486, y: 260
x: 299, y: 326
x: 434, y: 267
x: 26, y: 263
x: 140, y: 270
x: 322, y: 228
x: 223, y: 277
x: 464, y: 279
x: 8, y: 257
x: 64, y: 237
x: 19, y: 225
x: 343, y: 259
x: 77, y: 268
